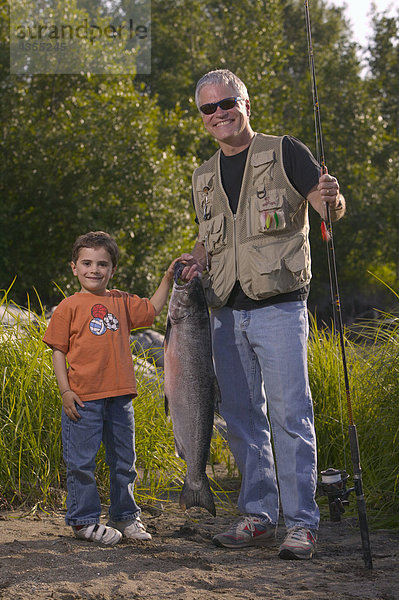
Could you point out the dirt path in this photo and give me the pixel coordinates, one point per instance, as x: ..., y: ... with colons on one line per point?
x: 40, y: 560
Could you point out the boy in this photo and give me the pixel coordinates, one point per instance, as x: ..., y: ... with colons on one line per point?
x: 91, y: 330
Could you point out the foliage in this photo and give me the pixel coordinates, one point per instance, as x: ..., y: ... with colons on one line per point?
x: 81, y: 153
x: 383, y: 85
x: 88, y: 151
x: 89, y: 160
x: 31, y: 465
x: 372, y: 354
x: 31, y: 454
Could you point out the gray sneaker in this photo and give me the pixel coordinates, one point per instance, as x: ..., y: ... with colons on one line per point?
x: 299, y: 544
x: 247, y: 531
x: 133, y: 530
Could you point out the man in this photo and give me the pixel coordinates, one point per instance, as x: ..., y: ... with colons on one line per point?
x: 251, y: 200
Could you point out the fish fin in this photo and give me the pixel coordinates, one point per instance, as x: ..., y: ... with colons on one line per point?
x: 165, y: 345
x: 216, y: 395
x: 166, y: 406
x: 197, y: 497
x: 179, y: 450
x: 167, y: 333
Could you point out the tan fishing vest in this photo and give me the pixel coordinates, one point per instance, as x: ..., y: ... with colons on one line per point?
x: 265, y: 244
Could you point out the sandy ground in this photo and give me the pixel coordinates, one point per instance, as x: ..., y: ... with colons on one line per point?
x: 41, y: 560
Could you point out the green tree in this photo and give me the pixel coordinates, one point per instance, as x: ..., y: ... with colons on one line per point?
x: 265, y: 44
x: 80, y: 153
x: 350, y: 130
x: 117, y: 153
x: 383, y: 85
x: 83, y: 154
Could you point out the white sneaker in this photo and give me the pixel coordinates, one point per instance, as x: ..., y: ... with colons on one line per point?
x: 133, y: 530
x: 100, y: 534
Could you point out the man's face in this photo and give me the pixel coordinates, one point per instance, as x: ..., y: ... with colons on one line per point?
x: 227, y: 126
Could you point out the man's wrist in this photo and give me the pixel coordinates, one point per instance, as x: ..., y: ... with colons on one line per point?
x: 340, y: 205
x: 338, y: 211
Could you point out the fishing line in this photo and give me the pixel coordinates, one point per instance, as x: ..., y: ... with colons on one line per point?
x: 327, y: 233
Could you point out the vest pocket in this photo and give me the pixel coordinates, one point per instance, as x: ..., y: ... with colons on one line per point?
x: 214, y: 281
x: 278, y: 268
x: 266, y: 211
x: 264, y: 163
x: 213, y: 233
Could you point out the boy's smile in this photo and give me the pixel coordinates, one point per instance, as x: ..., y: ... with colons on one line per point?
x: 94, y: 269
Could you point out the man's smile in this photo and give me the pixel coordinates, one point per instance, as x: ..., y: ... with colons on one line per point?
x: 221, y: 123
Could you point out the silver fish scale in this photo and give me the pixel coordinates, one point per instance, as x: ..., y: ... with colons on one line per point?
x: 191, y: 389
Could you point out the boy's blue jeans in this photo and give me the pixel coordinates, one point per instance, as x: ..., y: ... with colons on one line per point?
x: 261, y: 365
x: 111, y: 421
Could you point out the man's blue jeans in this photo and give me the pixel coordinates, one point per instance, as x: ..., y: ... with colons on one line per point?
x: 111, y: 421
x: 261, y: 365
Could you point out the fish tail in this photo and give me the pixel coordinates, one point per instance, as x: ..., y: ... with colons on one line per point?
x: 200, y: 495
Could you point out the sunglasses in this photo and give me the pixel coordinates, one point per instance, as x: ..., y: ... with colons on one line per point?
x: 225, y: 104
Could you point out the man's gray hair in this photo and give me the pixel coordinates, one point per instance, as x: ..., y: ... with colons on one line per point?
x: 221, y: 77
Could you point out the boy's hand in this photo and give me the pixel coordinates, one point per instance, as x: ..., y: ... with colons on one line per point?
x: 159, y: 299
x: 170, y: 270
x: 69, y: 402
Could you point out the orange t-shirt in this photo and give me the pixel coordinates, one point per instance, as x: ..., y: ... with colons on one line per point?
x: 93, y: 331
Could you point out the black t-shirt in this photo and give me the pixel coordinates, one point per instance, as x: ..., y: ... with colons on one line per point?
x: 303, y: 171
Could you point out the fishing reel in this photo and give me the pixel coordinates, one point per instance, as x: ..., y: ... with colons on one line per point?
x: 333, y: 485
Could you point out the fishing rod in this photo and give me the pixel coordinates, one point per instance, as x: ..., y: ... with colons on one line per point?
x: 327, y: 234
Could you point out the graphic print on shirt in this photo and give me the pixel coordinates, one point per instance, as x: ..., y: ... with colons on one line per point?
x: 102, y: 320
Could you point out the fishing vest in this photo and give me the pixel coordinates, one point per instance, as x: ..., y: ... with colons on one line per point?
x: 265, y: 244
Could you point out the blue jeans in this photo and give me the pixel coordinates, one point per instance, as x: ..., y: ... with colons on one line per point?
x: 111, y: 421
x: 261, y: 365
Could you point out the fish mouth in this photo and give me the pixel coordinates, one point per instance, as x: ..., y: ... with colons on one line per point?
x: 177, y: 272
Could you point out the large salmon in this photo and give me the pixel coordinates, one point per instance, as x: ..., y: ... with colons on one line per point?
x: 191, y: 388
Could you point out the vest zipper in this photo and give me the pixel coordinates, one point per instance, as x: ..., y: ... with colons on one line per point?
x: 235, y: 246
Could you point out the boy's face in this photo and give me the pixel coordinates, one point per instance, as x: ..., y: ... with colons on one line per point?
x: 94, y: 269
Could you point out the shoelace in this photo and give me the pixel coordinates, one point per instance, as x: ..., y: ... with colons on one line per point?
x: 245, y: 522
x: 298, y: 533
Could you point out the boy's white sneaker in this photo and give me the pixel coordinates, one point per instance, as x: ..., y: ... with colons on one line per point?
x: 99, y: 534
x: 133, y: 529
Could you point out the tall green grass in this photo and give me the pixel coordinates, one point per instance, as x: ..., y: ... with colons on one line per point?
x: 30, y: 447
x: 31, y: 466
x: 372, y: 353
x: 32, y: 472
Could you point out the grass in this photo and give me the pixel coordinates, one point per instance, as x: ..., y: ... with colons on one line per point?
x: 32, y: 472
x: 30, y: 447
x: 372, y: 353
